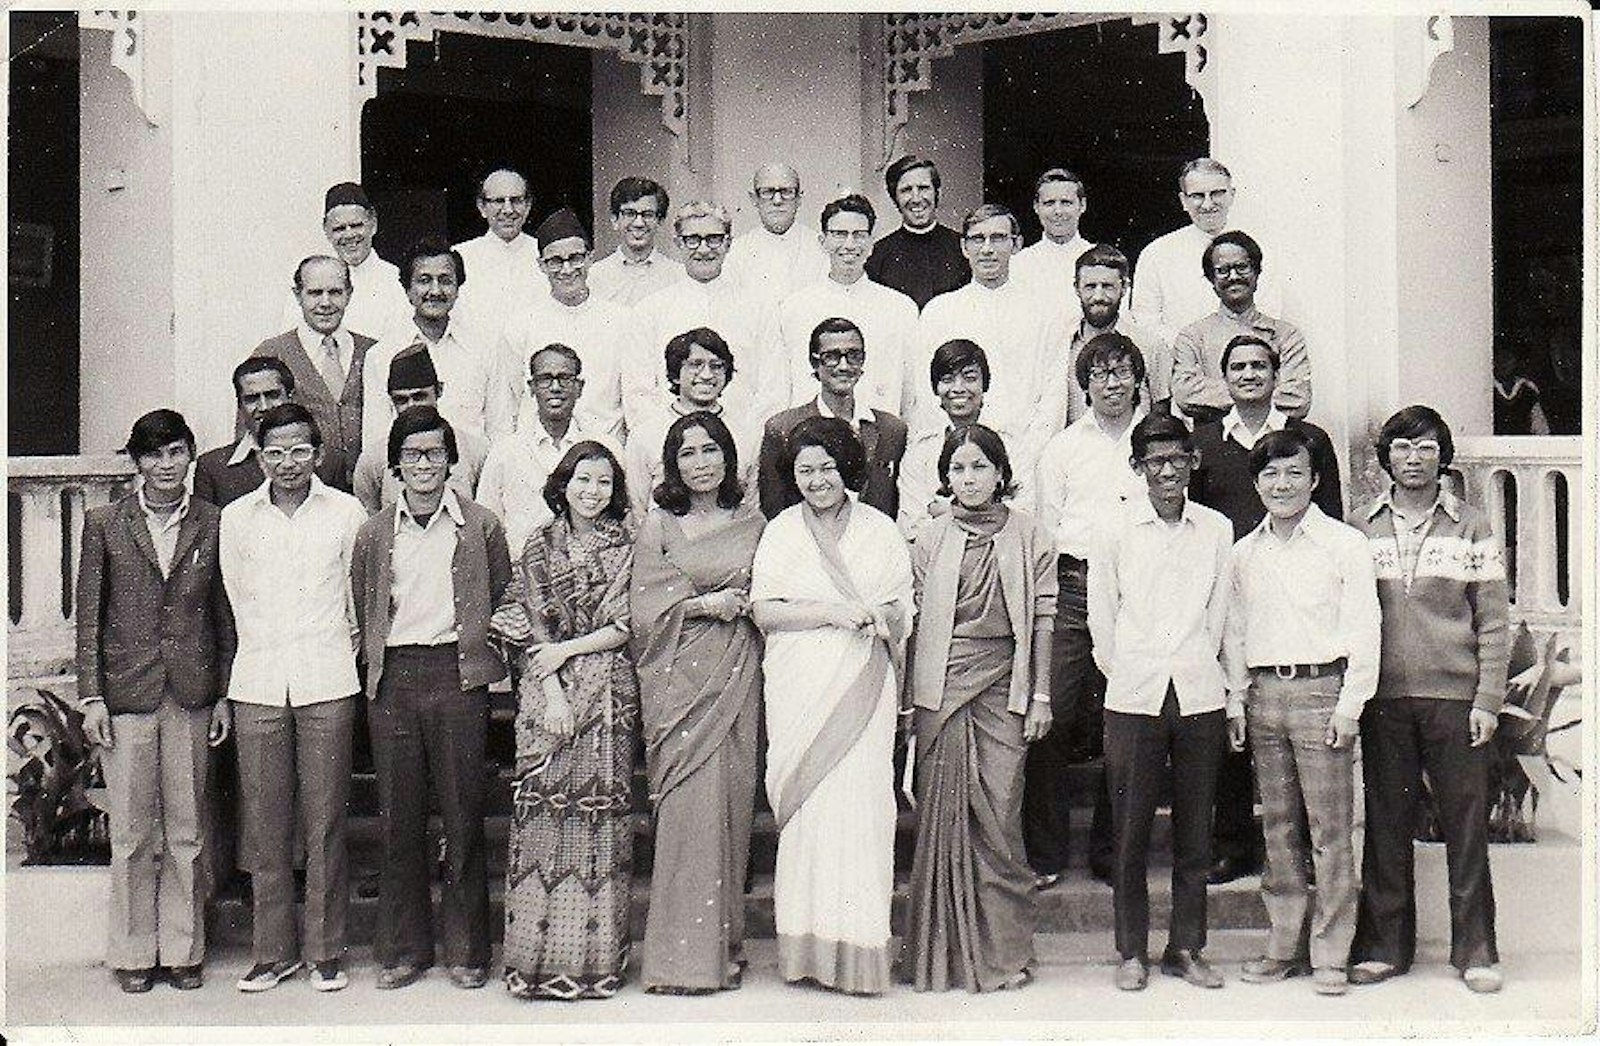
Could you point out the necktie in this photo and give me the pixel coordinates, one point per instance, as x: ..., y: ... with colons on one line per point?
x: 332, y: 371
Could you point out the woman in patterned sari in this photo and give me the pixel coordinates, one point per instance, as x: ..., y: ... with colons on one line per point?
x: 571, y: 862
x: 980, y: 684
x: 699, y: 660
x: 832, y: 591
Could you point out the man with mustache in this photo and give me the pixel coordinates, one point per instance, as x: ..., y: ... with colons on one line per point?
x: 503, y: 262
x: 779, y: 255
x: 636, y: 268
x: 349, y: 221
x: 922, y: 258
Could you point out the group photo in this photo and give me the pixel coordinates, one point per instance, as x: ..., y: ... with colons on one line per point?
x: 860, y: 524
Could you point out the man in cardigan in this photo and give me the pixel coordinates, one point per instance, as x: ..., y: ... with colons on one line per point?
x: 1442, y: 586
x: 155, y: 641
x: 427, y: 573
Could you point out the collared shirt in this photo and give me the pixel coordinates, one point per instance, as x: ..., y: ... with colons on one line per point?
x: 288, y: 579
x: 723, y: 304
x: 598, y: 330
x: 861, y: 413
x: 776, y: 265
x: 243, y: 449
x: 1234, y: 428
x: 422, y: 594
x: 1411, y: 530
x: 501, y: 278
x: 511, y: 484
x: 888, y: 322
x: 1157, y: 604
x: 1170, y: 290
x: 1083, y: 474
x: 473, y: 398
x: 1157, y: 363
x: 1052, y: 266
x: 374, y: 483
x: 311, y: 342
x: 164, y: 531
x: 622, y: 281
x: 1307, y: 600
x: 377, y: 302
x: 645, y: 443
x: 1197, y: 360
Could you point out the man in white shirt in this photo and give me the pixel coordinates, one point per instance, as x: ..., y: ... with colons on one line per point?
x: 636, y: 268
x: 1301, y: 653
x: 474, y: 398
x: 887, y: 318
x: 1060, y: 201
x: 780, y: 255
x: 413, y: 382
x: 567, y: 312
x: 1098, y: 286
x: 377, y: 301
x: 1082, y: 478
x: 285, y: 552
x: 503, y: 263
x: 1158, y: 587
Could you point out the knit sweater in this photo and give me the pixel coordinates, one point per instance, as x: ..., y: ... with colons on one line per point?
x: 1444, y: 631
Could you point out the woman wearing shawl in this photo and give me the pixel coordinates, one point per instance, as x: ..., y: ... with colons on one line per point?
x: 699, y: 660
x: 980, y: 687
x: 571, y: 862
x: 832, y: 592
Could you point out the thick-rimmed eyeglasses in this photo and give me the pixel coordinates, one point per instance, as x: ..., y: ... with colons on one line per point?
x: 629, y: 214
x: 1422, y: 448
x: 693, y: 240
x: 1105, y: 374
x: 432, y: 455
x: 833, y: 357
x: 497, y: 202
x: 770, y: 193
x: 550, y: 381
x: 300, y: 452
x: 556, y: 264
x: 1158, y: 463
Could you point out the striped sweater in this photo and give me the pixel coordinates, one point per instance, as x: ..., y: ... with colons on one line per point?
x: 1444, y: 626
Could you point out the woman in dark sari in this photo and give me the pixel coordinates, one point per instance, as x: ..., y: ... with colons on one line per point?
x: 571, y: 861
x: 985, y: 577
x: 699, y: 661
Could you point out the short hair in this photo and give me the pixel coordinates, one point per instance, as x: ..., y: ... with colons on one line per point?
x: 1105, y: 350
x: 485, y: 173
x: 1205, y: 164
x: 1103, y: 255
x: 284, y: 415
x: 672, y: 493
x: 260, y: 365
x: 678, y: 349
x: 555, y: 487
x: 431, y: 247
x: 1274, y: 446
x: 559, y: 349
x: 837, y: 439
x: 300, y: 270
x: 1273, y: 356
x: 1059, y: 174
x: 957, y: 354
x: 904, y: 166
x: 983, y: 212
x: 631, y: 189
x: 1410, y: 423
x: 993, y: 447
x: 854, y: 203
x: 1237, y: 239
x: 700, y: 209
x: 155, y: 430
x: 831, y: 325
x: 413, y: 420
x: 1156, y: 428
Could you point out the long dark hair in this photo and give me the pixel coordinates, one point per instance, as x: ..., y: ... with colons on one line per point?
x: 555, y: 488
x: 672, y: 493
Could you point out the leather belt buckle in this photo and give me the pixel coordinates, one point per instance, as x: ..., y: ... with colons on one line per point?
x: 1286, y: 671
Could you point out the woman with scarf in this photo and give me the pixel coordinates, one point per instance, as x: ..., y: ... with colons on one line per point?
x: 985, y: 577
x: 699, y: 661
x: 832, y: 591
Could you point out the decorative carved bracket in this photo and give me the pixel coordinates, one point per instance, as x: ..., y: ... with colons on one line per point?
x: 1191, y: 35
x: 1422, y: 41
x: 127, y: 51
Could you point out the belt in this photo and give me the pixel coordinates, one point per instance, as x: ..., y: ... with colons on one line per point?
x: 1327, y: 668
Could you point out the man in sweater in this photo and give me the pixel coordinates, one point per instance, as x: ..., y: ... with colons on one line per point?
x: 1442, y: 586
x: 922, y: 258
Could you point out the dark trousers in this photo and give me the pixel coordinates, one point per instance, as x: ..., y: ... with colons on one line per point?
x: 1139, y: 749
x: 1401, y: 737
x: 1235, y: 832
x: 428, y: 742
x: 1077, y: 701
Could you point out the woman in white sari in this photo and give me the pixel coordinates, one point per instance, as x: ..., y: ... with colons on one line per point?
x: 831, y: 589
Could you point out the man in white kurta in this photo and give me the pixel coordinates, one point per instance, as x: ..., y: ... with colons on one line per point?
x: 887, y: 318
x: 377, y: 301
x: 503, y: 263
x: 780, y: 255
x: 1060, y: 202
x: 567, y: 313
x: 636, y: 268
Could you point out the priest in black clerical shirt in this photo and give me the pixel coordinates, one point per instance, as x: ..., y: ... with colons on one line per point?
x: 922, y: 258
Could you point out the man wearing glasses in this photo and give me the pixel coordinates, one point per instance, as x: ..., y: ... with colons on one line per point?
x: 285, y: 551
x: 413, y: 382
x: 779, y: 255
x: 636, y: 268
x: 503, y: 262
x: 887, y: 318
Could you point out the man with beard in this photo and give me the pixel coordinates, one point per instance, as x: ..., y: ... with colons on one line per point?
x: 503, y: 262
x: 636, y: 267
x: 1099, y: 282
x: 1060, y: 201
x: 922, y: 258
x: 375, y: 303
x: 779, y: 255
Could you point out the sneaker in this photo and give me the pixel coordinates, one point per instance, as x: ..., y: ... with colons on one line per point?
x: 328, y: 976
x: 186, y: 978
x: 264, y: 976
x: 1330, y: 980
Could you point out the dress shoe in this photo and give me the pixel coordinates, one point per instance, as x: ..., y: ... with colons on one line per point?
x: 1133, y: 974
x: 392, y: 977
x: 1266, y: 970
x: 1372, y: 971
x: 135, y: 981
x: 1046, y: 880
x: 1192, y: 967
x: 1330, y: 980
x: 468, y: 976
x: 1227, y: 869
x: 1484, y: 980
x: 1017, y: 981
x: 186, y: 978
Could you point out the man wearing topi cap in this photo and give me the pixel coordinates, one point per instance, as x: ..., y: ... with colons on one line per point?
x: 376, y: 301
x: 413, y: 382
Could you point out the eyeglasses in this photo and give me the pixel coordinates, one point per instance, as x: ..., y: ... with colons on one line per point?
x: 833, y: 357
x: 629, y: 214
x: 300, y: 452
x: 1104, y: 374
x: 854, y: 235
x: 714, y: 240
x: 708, y: 366
x: 1156, y: 463
x: 1214, y: 196
x: 432, y: 455
x: 1237, y: 269
x: 550, y: 381
x: 1422, y: 448
x: 556, y: 263
x: 497, y: 202
x: 993, y: 239
x: 770, y: 193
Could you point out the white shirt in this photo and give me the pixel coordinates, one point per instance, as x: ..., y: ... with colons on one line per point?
x: 1234, y: 428
x: 775, y: 266
x: 622, y: 281
x: 343, y: 341
x: 1158, y: 600
x: 724, y: 305
x: 1170, y: 290
x: 1052, y: 267
x: 1307, y: 600
x: 422, y: 592
x: 1083, y: 474
x: 377, y: 304
x: 645, y: 443
x: 164, y: 532
x: 511, y: 484
x: 888, y: 322
x: 502, y: 279
x: 473, y: 396
x: 288, y: 578
x: 597, y: 329
x: 375, y: 486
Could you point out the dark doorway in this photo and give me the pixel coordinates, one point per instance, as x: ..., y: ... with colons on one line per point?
x: 43, y: 220
x: 1536, y: 141
x: 464, y: 104
x: 1099, y: 101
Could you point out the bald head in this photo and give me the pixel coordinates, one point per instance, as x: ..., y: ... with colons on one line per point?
x: 775, y: 190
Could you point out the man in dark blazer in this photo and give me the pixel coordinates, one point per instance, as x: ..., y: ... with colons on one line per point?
x: 227, y: 473
x: 838, y: 354
x: 155, y: 642
x: 326, y: 359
